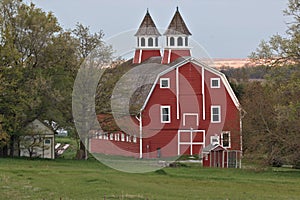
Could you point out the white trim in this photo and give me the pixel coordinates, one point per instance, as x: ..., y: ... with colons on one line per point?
x: 215, y: 79
x: 164, y: 79
x: 141, y: 134
x: 140, y: 56
x: 191, y: 143
x: 191, y: 114
x: 177, y: 92
x: 161, y: 114
x: 169, y: 56
x: 203, y: 93
x: 211, y: 114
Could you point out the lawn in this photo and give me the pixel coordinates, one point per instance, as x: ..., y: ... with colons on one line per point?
x: 71, y: 179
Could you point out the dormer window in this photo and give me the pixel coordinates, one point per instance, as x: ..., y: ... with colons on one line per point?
x: 180, y: 41
x: 150, y: 42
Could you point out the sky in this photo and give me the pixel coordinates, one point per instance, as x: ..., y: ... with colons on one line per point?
x: 224, y: 28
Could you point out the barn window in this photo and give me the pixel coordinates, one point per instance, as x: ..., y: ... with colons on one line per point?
x: 143, y: 42
x: 134, y: 138
x: 165, y: 114
x: 215, y: 82
x: 172, y: 41
x: 164, y: 83
x: 180, y: 41
x: 122, y: 137
x: 150, y: 42
x: 214, y: 140
x: 138, y: 42
x: 225, y: 138
x: 156, y: 42
x: 215, y: 114
x: 167, y: 41
x: 105, y: 137
x: 111, y: 136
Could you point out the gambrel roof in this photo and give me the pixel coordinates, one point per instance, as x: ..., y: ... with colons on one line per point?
x: 177, y: 26
x: 145, y: 77
x: 147, y: 27
x: 184, y: 60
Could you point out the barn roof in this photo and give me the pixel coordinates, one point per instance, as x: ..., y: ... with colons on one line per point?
x: 177, y: 26
x: 135, y: 88
x: 147, y: 27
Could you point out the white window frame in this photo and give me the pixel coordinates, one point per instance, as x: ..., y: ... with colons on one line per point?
x: 214, y: 137
x: 212, y: 115
x: 164, y: 79
x: 215, y: 79
x: 161, y: 114
x: 229, y: 138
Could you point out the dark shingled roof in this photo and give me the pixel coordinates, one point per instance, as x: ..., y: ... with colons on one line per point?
x: 177, y: 26
x: 147, y: 27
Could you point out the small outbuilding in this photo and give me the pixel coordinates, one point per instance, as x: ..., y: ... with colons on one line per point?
x: 38, y: 141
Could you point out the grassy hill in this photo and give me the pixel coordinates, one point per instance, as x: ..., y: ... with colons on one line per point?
x: 71, y: 179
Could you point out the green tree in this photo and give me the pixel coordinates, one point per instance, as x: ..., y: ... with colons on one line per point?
x: 282, y: 49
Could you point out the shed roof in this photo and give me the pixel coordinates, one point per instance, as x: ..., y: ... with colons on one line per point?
x: 177, y: 26
x: 147, y: 27
x: 39, y: 128
x: 212, y: 147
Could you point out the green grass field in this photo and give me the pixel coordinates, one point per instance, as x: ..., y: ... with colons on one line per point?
x: 71, y: 179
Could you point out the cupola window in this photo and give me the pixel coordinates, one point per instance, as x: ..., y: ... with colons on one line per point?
x: 172, y: 41
x: 150, y: 42
x: 143, y: 42
x: 180, y: 41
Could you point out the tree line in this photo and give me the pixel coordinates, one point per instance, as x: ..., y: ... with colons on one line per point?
x: 271, y: 125
x: 38, y: 66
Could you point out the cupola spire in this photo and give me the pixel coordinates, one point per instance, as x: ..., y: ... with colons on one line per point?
x: 147, y: 40
x: 177, y: 39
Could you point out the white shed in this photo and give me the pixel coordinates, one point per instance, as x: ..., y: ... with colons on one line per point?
x: 38, y: 141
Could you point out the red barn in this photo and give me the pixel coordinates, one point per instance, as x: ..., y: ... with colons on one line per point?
x: 188, y: 109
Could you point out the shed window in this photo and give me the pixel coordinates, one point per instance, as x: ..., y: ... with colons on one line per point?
x: 47, y: 141
x: 215, y: 114
x: 165, y: 114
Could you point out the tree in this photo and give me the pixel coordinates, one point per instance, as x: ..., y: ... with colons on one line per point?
x: 282, y: 49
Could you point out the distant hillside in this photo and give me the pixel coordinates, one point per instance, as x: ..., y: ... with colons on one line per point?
x: 232, y: 62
